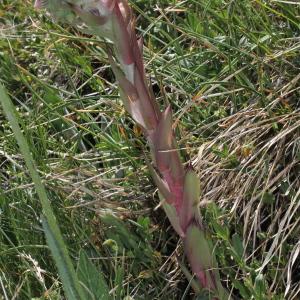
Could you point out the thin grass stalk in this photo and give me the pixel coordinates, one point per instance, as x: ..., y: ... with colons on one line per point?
x: 71, y: 284
x: 178, y: 187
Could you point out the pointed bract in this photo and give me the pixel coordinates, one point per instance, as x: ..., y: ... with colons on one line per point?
x: 161, y: 184
x: 176, y: 166
x: 121, y: 37
x: 199, y: 252
x: 129, y: 95
x: 173, y: 218
x: 145, y: 99
x: 162, y: 139
x: 191, y: 197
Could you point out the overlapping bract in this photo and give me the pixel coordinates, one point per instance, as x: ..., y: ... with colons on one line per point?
x: 178, y: 188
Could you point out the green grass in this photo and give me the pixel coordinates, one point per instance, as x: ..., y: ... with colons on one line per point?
x: 230, y: 70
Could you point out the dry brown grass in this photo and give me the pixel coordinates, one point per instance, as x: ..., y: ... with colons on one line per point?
x: 258, y: 182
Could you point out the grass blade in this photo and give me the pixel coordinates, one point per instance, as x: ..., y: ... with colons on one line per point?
x: 54, y: 237
x: 93, y: 280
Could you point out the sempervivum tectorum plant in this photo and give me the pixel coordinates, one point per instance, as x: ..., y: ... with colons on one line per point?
x: 178, y: 187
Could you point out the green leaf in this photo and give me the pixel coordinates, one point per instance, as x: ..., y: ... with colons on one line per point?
x: 238, y: 245
x: 222, y: 231
x: 92, y: 279
x: 119, y: 279
x: 118, y: 231
x: 268, y: 198
x: 160, y: 183
x: 191, y: 187
x: 54, y: 237
x: 199, y: 250
x: 203, y: 296
x: 163, y: 141
x: 242, y: 289
x: 171, y: 213
x: 71, y: 286
x: 260, y: 286
x: 191, y: 198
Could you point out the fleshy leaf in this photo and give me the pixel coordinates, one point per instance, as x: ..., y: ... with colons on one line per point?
x: 121, y: 37
x: 162, y: 140
x: 160, y: 183
x: 147, y: 104
x: 138, y: 53
x: 191, y: 197
x: 176, y: 166
x: 128, y: 88
x: 199, y: 250
x: 125, y: 10
x: 171, y: 213
x: 129, y: 95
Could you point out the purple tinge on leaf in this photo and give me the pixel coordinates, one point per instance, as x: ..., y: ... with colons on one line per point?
x: 166, y: 157
x: 109, y: 4
x: 162, y: 140
x: 161, y: 184
x: 137, y: 46
x: 198, y: 251
x: 171, y: 212
x: 122, y: 37
x: 147, y: 105
x: 125, y: 10
x: 191, y: 196
x: 129, y: 95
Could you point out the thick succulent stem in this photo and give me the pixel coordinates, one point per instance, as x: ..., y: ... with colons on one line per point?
x: 178, y: 188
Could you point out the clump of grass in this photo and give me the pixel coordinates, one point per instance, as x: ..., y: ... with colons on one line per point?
x: 254, y: 161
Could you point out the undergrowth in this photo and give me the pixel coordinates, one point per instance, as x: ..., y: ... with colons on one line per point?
x: 230, y: 70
